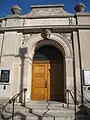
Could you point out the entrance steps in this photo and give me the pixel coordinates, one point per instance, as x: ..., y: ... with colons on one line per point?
x: 54, y: 108
x: 35, y: 110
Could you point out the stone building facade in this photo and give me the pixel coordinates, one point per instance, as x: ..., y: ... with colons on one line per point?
x: 45, y: 28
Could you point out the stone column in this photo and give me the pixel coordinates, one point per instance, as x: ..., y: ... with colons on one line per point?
x: 26, y: 74
x: 77, y: 66
x: 69, y: 75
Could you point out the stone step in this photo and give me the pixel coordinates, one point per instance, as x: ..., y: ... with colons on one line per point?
x: 21, y: 116
x: 39, y: 106
x: 35, y: 111
x: 40, y: 111
x: 54, y: 112
x: 35, y: 116
x: 52, y: 105
x: 16, y: 108
x: 28, y: 116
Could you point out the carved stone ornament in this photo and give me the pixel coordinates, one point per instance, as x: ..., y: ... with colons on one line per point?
x: 80, y: 7
x: 26, y: 37
x: 46, y: 33
x: 16, y: 10
x: 67, y: 36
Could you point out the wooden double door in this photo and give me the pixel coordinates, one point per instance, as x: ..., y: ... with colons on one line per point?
x: 47, y: 83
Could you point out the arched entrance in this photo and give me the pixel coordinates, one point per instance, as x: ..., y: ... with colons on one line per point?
x: 48, y: 74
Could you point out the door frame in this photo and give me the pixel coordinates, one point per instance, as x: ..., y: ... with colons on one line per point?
x: 48, y: 62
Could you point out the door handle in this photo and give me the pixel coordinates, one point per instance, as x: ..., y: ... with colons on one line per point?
x: 45, y: 84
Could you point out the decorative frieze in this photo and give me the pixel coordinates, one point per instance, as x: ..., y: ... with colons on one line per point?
x: 47, y: 21
x: 66, y: 36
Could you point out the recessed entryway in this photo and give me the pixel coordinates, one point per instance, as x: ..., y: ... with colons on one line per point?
x: 48, y: 74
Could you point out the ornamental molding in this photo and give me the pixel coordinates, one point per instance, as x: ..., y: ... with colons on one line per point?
x: 66, y: 36
x: 26, y: 37
x: 35, y: 34
x: 45, y: 34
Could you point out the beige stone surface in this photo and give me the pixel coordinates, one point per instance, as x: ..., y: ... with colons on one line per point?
x: 84, y: 36
x: 48, y: 11
x: 1, y: 43
x: 47, y: 21
x: 11, y: 41
x: 14, y: 22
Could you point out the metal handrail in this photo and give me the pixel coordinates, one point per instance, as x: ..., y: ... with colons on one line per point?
x: 48, y: 104
x: 69, y: 92
x: 12, y: 100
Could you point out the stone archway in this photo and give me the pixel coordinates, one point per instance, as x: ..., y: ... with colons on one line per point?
x: 60, y: 43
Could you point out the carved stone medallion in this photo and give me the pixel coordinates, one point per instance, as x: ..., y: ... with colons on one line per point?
x: 46, y: 33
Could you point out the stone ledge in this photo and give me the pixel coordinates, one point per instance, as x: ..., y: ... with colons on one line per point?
x: 39, y: 28
x: 47, y: 6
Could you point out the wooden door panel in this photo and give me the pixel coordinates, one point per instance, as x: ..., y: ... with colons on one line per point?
x: 52, y: 73
x: 38, y: 93
x: 40, y: 88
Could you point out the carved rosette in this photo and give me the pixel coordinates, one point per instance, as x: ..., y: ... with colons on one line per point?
x: 46, y: 33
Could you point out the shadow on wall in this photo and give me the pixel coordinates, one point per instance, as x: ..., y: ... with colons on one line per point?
x: 22, y: 53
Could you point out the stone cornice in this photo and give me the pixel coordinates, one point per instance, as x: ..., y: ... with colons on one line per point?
x: 39, y: 28
x: 37, y: 17
x: 47, y: 6
x: 83, y: 14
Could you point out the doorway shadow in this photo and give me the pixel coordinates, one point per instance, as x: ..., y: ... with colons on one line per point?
x: 56, y: 81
